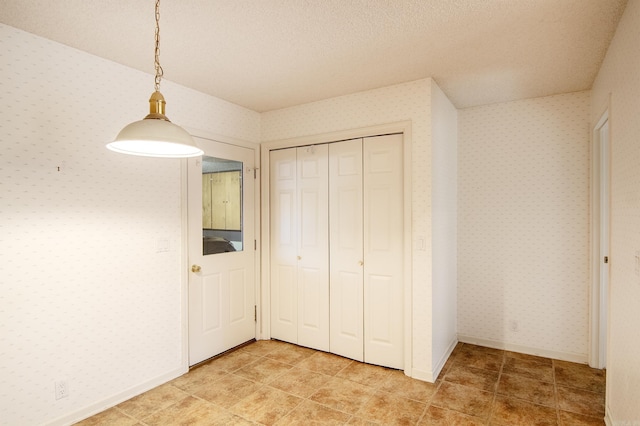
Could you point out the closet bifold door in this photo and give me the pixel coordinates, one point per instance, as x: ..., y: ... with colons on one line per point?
x: 313, y: 246
x: 346, y: 249
x: 299, y: 246
x: 284, y: 245
x: 383, y: 251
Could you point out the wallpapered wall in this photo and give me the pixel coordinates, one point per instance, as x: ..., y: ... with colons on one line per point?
x: 86, y: 294
x: 523, y: 223
x: 619, y: 77
x: 409, y: 101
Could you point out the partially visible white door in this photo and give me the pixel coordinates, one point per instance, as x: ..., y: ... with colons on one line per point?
x: 383, y: 251
x: 604, y: 242
x: 313, y: 247
x: 222, y: 262
x: 346, y: 257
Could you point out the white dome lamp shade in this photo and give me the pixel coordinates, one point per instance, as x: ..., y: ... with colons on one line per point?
x: 155, y: 135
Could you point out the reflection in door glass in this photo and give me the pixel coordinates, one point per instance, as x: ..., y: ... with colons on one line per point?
x: 221, y: 205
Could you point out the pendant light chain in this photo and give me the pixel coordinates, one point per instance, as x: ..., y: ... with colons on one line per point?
x: 155, y: 135
x: 159, y: 71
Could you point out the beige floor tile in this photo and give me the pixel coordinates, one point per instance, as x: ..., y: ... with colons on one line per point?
x: 389, y: 409
x: 528, y: 368
x: 579, y: 376
x: 479, y: 359
x: 436, y: 416
x: 263, y: 370
x: 266, y: 405
x: 467, y: 347
x: 397, y: 383
x: 461, y: 374
x: 263, y: 347
x: 190, y: 411
x: 299, y: 382
x: 573, y: 419
x: 234, y: 361
x: 324, y: 363
x: 154, y: 400
x: 471, y: 401
x: 290, y: 354
x: 311, y: 413
x: 359, y: 421
x: 581, y: 401
x: 111, y: 417
x: 366, y: 374
x: 343, y: 395
x: 199, y: 376
x: 512, y: 411
x: 228, y: 390
x: 532, y: 390
x: 531, y: 358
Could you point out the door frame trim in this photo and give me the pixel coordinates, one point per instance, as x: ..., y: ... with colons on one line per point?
x: 597, y: 342
x: 403, y: 127
x: 184, y: 262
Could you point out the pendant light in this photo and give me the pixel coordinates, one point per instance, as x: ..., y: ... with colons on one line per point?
x: 155, y: 135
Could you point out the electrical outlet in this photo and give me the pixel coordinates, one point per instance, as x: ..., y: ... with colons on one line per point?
x: 62, y: 390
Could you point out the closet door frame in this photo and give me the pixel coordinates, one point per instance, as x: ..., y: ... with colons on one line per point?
x: 404, y: 128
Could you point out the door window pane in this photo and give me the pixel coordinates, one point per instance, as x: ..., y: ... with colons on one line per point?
x: 221, y: 205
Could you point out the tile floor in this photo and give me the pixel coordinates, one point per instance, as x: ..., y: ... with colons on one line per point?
x: 276, y: 383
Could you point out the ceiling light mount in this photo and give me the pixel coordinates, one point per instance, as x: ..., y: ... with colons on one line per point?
x: 155, y: 135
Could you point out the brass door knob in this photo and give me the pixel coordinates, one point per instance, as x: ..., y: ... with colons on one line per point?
x: 196, y: 268
x: 361, y: 263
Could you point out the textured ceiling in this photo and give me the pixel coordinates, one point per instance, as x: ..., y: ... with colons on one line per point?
x: 270, y: 54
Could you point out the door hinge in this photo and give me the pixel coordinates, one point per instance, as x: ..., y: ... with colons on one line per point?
x: 255, y: 313
x: 606, y: 259
x: 255, y: 173
x: 255, y: 244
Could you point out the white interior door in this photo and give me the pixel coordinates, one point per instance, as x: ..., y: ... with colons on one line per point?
x: 313, y: 246
x: 346, y: 254
x: 284, y: 245
x: 383, y: 251
x: 221, y: 259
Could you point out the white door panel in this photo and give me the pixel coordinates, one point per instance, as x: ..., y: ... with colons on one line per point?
x: 313, y: 247
x: 383, y: 251
x: 222, y: 292
x: 346, y: 257
x: 284, y: 240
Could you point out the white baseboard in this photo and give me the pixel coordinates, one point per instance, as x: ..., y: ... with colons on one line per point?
x: 425, y: 376
x: 564, y: 356
x: 114, y: 400
x: 431, y: 376
x: 607, y: 417
x: 443, y: 360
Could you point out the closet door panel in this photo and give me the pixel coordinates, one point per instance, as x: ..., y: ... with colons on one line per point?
x: 284, y: 299
x: 346, y: 248
x: 313, y: 247
x: 383, y: 251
